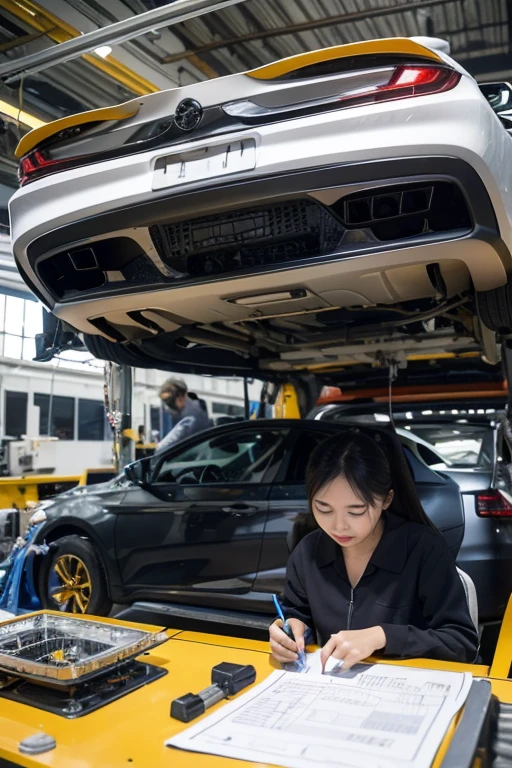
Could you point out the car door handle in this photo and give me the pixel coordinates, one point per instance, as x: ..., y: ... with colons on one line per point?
x: 237, y: 510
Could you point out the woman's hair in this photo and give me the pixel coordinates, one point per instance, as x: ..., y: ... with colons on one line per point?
x: 373, y: 463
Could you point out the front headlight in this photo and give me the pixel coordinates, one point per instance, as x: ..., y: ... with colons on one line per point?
x: 39, y: 516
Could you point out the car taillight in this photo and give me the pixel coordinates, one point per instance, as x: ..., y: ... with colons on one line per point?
x: 360, y: 88
x: 36, y: 164
x: 492, y: 504
x: 408, y: 81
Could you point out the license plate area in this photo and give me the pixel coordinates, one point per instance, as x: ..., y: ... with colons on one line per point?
x: 204, y: 163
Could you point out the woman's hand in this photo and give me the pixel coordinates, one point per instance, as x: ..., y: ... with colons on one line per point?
x: 353, y: 645
x: 283, y: 649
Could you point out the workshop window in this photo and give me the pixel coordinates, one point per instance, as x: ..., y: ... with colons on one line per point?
x: 15, y: 414
x: 92, y: 421
x: 20, y: 321
x: 58, y: 410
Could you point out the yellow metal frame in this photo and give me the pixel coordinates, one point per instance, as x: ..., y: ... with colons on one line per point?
x: 502, y: 660
x: 398, y: 45
x: 36, y: 136
x: 20, y: 492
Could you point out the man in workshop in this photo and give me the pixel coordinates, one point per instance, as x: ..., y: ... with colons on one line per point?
x: 187, y: 414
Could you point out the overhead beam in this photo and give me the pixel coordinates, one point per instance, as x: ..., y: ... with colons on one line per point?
x: 19, y: 41
x: 127, y: 29
x: 36, y: 16
x: 305, y: 26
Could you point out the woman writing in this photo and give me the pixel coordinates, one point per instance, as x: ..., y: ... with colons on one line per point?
x: 376, y: 576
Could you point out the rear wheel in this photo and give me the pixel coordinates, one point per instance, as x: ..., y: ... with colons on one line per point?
x: 72, y: 579
x: 495, y: 308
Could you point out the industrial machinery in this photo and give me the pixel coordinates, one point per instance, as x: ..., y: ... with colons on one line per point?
x: 71, y: 666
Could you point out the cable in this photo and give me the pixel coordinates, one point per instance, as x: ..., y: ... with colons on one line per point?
x: 393, y: 370
x: 20, y: 106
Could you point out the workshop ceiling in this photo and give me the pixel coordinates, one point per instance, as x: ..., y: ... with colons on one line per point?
x: 236, y: 38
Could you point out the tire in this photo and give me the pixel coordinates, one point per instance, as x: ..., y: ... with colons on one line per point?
x: 74, y: 558
x: 495, y: 308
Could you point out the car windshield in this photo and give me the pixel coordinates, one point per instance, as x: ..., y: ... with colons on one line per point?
x: 461, y: 445
x: 463, y: 437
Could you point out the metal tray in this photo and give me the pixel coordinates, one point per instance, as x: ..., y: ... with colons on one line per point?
x: 63, y: 649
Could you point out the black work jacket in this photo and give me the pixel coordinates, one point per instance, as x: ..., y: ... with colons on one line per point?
x: 410, y: 588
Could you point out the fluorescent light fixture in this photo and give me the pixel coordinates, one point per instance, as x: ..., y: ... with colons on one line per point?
x: 27, y: 10
x: 24, y: 117
x: 103, y: 51
x: 409, y: 415
x: 426, y: 413
x: 381, y: 417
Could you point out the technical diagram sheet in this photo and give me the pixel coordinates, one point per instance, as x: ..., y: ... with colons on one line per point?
x: 378, y: 715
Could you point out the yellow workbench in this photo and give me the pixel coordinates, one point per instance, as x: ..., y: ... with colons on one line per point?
x: 130, y: 732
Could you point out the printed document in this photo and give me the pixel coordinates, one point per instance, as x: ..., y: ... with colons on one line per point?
x: 373, y: 714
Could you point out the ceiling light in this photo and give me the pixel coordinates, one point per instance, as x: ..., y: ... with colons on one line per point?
x: 103, y: 51
x: 27, y: 10
x: 23, y: 117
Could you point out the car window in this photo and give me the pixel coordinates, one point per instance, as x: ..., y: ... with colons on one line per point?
x: 248, y: 456
x: 461, y: 445
x: 460, y: 435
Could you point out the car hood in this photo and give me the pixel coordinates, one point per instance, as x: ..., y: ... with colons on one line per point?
x: 73, y: 501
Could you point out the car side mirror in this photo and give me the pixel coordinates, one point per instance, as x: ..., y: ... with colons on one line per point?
x: 137, y: 472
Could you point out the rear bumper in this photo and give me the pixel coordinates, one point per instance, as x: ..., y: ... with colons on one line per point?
x: 393, y: 141
x: 482, y: 249
x: 486, y: 556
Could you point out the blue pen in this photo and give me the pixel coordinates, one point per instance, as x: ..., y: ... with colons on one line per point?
x: 286, y: 627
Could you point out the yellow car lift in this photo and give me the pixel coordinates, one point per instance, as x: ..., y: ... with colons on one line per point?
x: 287, y: 403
